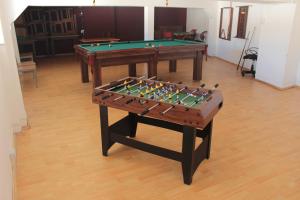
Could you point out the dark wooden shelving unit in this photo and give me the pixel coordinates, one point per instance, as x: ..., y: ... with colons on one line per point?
x: 47, y: 31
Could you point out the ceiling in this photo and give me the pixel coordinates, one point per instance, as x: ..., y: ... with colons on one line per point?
x: 263, y: 1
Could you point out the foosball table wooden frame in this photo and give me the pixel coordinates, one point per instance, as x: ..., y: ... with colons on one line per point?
x: 192, y: 122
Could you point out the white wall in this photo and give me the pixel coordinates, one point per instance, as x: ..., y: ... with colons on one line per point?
x: 274, y: 43
x: 278, y: 58
x: 198, y: 19
x: 12, y: 112
x: 293, y: 58
x: 231, y: 50
x: 149, y: 23
x: 204, y: 19
x: 11, y: 78
x: 298, y: 75
x: 5, y: 138
x: 1, y: 34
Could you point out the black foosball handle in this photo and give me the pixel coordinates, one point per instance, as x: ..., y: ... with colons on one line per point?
x: 96, y: 93
x: 145, y: 112
x: 129, y: 101
x: 106, y: 96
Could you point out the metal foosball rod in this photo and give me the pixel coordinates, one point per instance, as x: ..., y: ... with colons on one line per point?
x: 149, y: 109
x: 202, y: 86
x: 141, y: 88
x: 196, y: 101
x: 202, y: 97
x: 182, y: 100
x: 209, y: 92
x: 140, y: 82
x: 107, y: 96
x: 130, y: 100
x: 120, y: 85
x: 176, y: 93
x: 108, y: 84
x: 138, y: 89
x: 153, y: 77
x: 96, y: 93
x: 168, y: 95
x: 126, y: 83
x: 155, y: 88
x: 118, y: 98
x: 142, y: 102
x: 167, y: 110
x: 215, y: 86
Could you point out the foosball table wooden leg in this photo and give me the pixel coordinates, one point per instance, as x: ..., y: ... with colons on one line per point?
x: 105, y: 135
x: 209, y: 134
x: 133, y: 124
x: 206, y: 136
x: 188, y: 146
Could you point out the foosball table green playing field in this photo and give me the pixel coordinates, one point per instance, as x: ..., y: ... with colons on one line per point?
x: 160, y: 92
x: 163, y: 104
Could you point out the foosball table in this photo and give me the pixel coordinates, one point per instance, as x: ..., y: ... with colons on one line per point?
x: 172, y: 106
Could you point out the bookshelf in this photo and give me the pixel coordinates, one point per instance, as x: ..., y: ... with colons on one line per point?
x: 47, y: 31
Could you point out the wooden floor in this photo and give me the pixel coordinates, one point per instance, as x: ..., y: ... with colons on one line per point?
x: 255, y: 147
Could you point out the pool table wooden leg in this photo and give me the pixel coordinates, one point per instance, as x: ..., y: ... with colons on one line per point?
x: 132, y: 70
x: 152, y: 68
x: 197, y: 68
x: 84, y: 72
x: 172, y: 66
x: 97, y: 74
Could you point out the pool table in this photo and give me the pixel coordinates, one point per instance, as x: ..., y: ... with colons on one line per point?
x: 130, y: 53
x: 95, y: 40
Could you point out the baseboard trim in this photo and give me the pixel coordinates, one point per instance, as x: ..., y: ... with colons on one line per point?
x: 23, y: 124
x: 12, y: 157
x: 276, y: 87
x: 16, y: 128
x: 235, y: 64
x: 223, y: 60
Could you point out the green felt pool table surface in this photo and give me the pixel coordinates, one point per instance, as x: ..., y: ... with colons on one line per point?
x: 135, y: 45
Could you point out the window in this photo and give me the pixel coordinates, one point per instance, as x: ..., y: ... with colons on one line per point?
x: 1, y: 34
x: 242, y: 22
x: 225, y: 23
